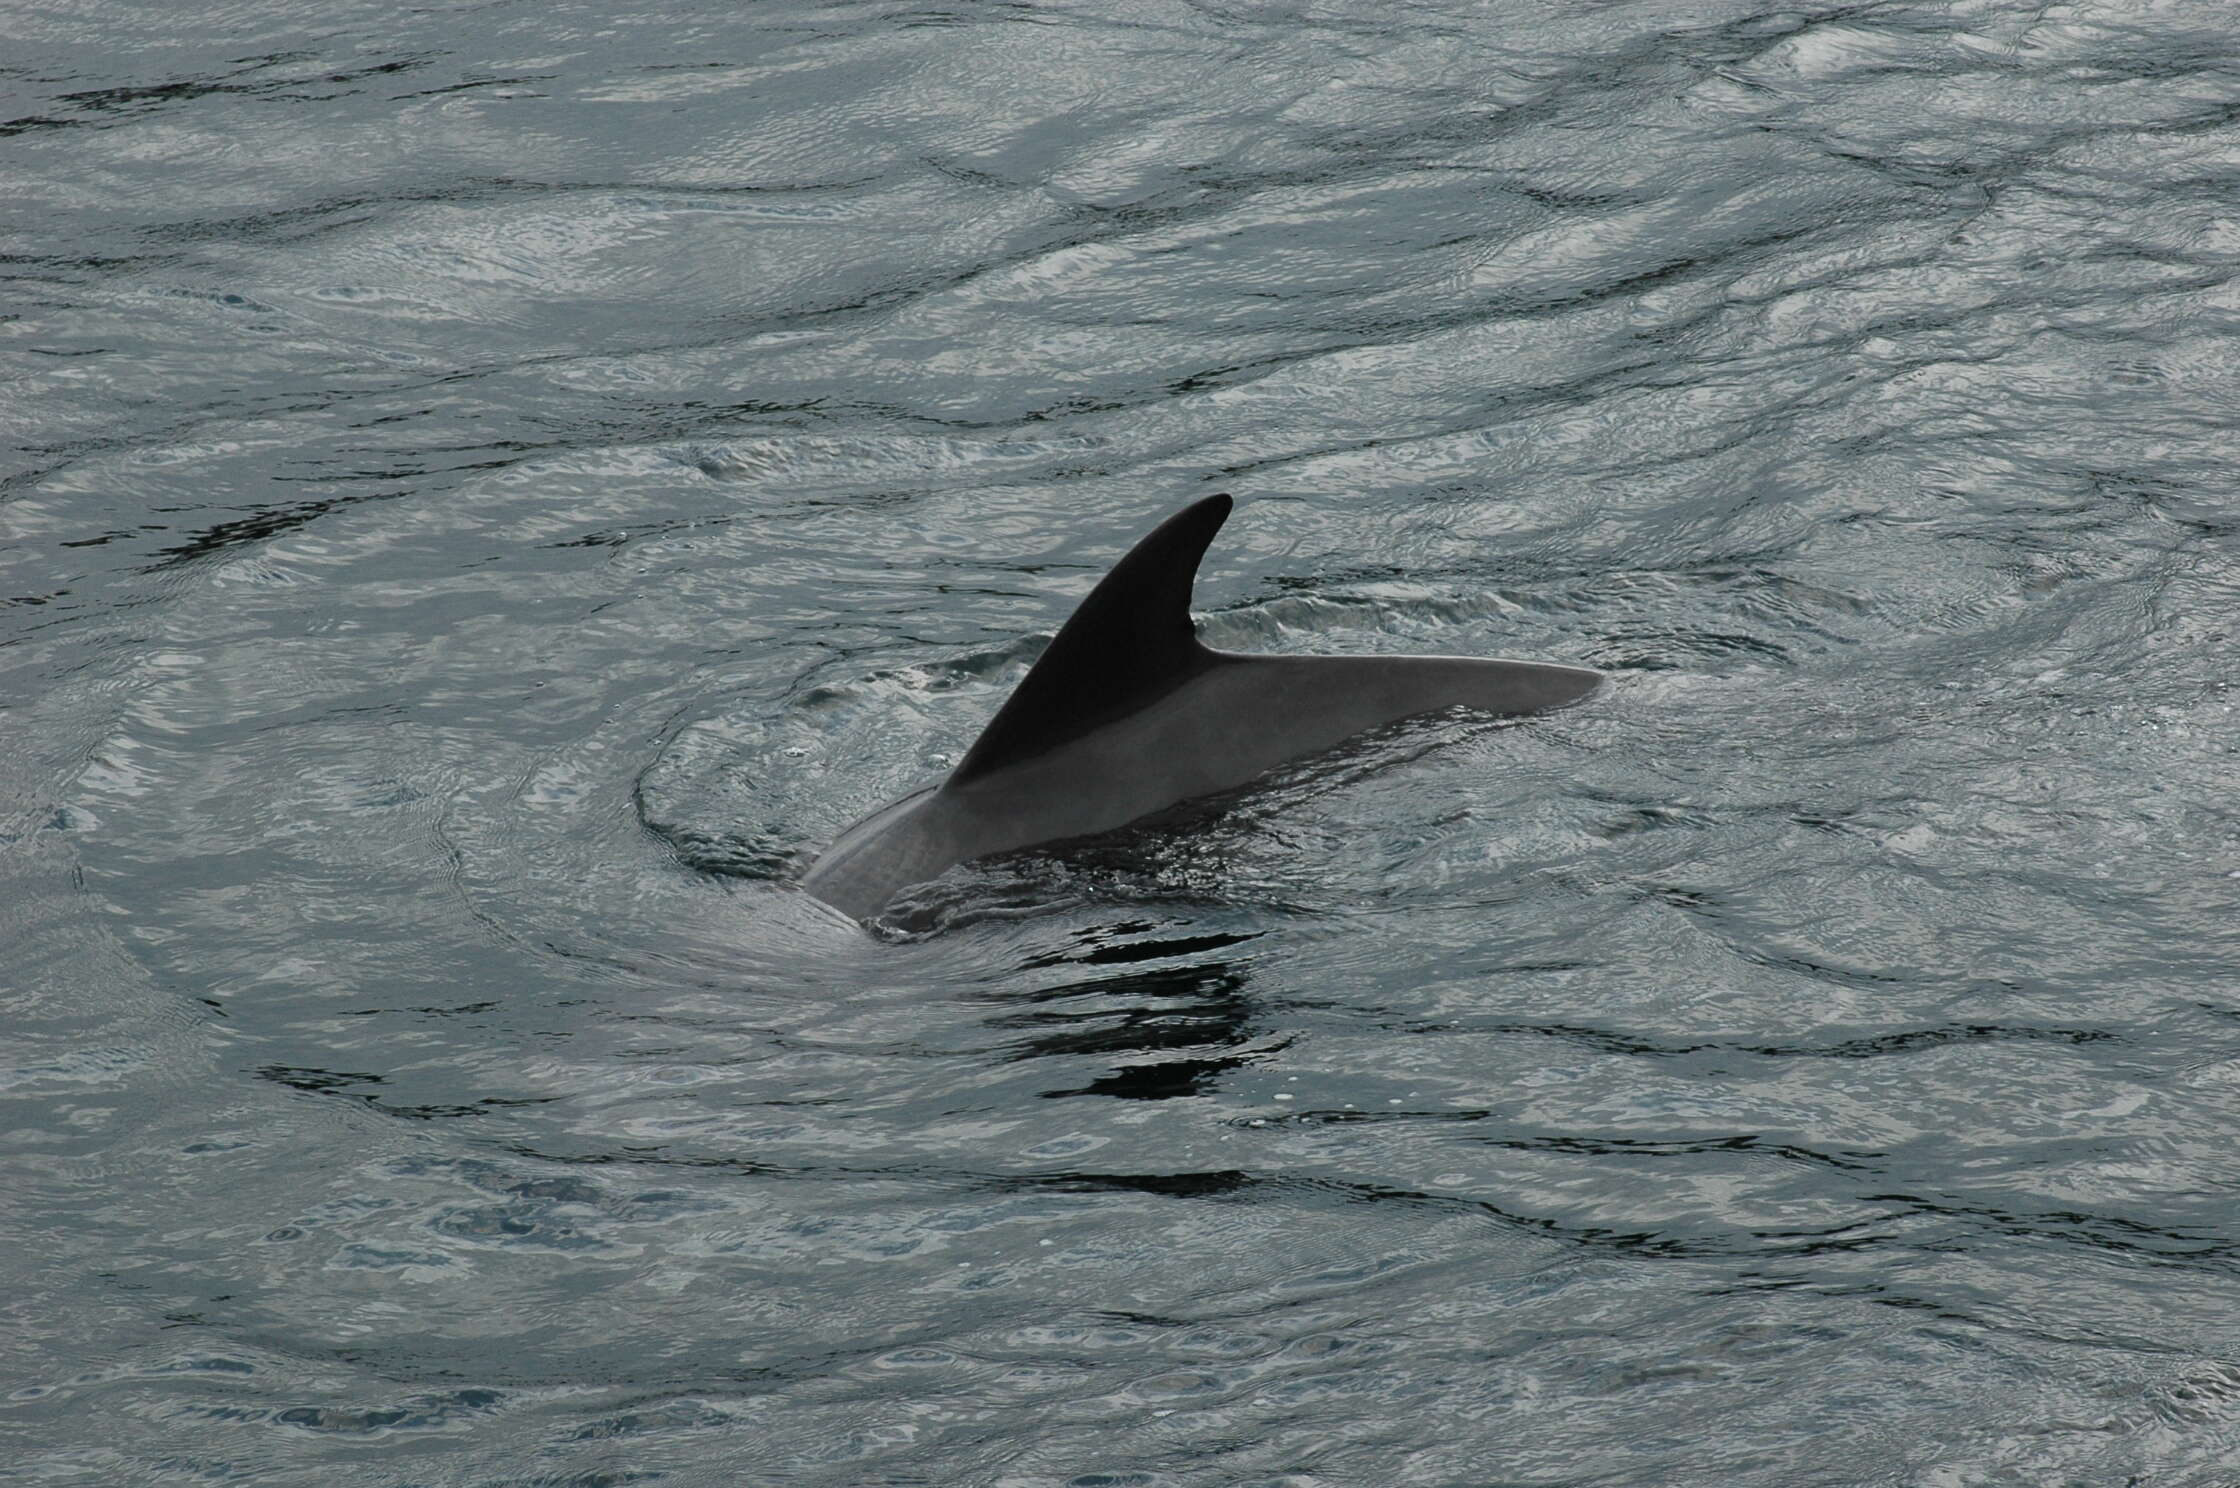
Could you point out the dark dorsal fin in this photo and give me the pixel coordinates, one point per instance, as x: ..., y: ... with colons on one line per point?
x: 1130, y: 643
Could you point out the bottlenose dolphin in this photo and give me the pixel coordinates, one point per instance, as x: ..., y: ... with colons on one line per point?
x: 1127, y: 713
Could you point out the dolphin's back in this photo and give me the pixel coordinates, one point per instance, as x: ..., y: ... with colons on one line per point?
x: 1290, y: 706
x: 1127, y: 714
x: 1235, y: 719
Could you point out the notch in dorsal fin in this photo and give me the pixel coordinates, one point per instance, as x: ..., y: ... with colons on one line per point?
x: 1130, y: 642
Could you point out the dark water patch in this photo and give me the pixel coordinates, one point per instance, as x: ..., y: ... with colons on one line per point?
x: 1872, y: 1046
x: 1105, y: 946
x: 331, y: 1082
x: 2126, y: 1237
x: 1159, y: 1079
x: 269, y: 522
x: 1170, y: 1024
x: 435, y: 1412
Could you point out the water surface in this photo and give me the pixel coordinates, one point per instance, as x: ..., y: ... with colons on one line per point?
x: 491, y: 489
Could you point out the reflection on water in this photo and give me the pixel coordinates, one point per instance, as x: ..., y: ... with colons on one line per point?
x: 490, y: 492
x: 1168, y: 1027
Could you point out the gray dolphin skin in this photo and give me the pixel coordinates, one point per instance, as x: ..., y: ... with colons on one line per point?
x: 1127, y: 713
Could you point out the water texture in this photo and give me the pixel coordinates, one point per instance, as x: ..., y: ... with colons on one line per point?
x: 490, y: 488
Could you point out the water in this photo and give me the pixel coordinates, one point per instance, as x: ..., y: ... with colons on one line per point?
x: 492, y: 488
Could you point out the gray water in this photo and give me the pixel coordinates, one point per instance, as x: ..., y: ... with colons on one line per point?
x: 493, y: 487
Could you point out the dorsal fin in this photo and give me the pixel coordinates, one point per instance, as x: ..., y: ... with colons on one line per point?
x: 1130, y: 642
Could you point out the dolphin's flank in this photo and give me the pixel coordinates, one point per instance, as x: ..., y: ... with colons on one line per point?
x: 1127, y: 713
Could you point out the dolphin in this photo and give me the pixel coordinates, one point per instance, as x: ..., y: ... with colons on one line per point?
x: 1128, y: 713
